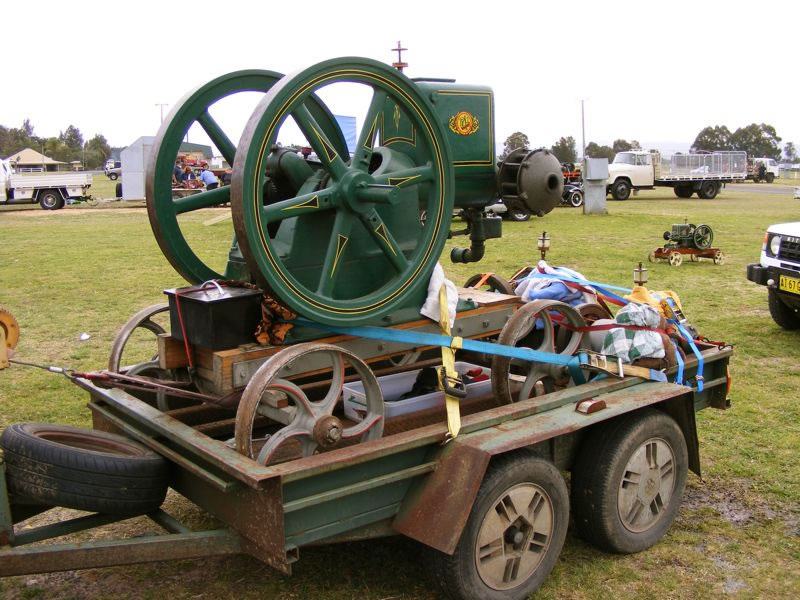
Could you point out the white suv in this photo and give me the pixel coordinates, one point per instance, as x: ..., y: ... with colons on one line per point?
x: 779, y: 271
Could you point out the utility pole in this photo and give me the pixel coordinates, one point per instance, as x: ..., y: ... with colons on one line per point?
x: 161, y: 106
x: 583, y: 133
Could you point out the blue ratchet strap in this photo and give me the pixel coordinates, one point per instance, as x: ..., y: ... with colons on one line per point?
x: 420, y: 338
x: 679, y: 374
x: 601, y: 287
x: 688, y: 337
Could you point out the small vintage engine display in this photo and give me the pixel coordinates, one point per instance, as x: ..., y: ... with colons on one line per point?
x: 688, y: 239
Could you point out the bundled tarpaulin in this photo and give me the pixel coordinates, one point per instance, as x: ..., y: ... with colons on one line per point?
x: 537, y: 286
x: 632, y: 344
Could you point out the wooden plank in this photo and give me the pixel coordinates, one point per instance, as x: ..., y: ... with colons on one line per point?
x: 171, y: 352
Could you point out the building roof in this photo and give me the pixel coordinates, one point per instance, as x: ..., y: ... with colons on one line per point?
x: 29, y: 156
x: 189, y: 147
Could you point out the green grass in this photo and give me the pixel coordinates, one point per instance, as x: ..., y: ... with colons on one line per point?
x: 87, y: 270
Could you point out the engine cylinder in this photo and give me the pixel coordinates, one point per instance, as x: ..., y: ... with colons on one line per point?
x: 533, y: 177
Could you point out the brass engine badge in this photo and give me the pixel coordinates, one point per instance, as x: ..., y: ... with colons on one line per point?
x: 464, y: 123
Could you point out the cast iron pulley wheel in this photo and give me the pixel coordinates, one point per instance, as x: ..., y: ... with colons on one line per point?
x: 675, y: 259
x: 591, y: 312
x: 719, y: 257
x: 628, y: 481
x: 708, y: 190
x: 513, y: 536
x: 310, y: 421
x: 784, y: 315
x: 544, y: 326
x: 703, y: 237
x: 353, y: 248
x: 576, y: 198
x: 621, y: 190
x: 84, y: 469
x: 50, y: 199
x: 194, y: 108
x: 489, y: 282
x: 683, y: 191
x: 143, y: 320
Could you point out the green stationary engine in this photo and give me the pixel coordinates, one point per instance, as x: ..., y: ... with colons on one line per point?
x: 352, y: 236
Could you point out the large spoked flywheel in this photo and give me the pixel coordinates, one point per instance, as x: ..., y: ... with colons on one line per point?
x: 163, y: 207
x: 342, y: 243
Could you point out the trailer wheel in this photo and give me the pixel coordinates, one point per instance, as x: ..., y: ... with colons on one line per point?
x: 621, y: 190
x: 683, y: 191
x: 50, y: 200
x: 784, y: 315
x: 628, y: 481
x: 708, y: 190
x: 79, y: 468
x: 513, y: 536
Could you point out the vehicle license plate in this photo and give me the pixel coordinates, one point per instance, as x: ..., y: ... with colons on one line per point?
x: 789, y: 284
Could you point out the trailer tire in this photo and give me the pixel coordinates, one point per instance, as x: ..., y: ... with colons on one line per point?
x: 770, y: 177
x: 708, y: 190
x: 784, y: 315
x: 621, y: 190
x: 683, y: 191
x: 50, y: 200
x: 607, y: 503
x: 84, y: 469
x: 530, y: 542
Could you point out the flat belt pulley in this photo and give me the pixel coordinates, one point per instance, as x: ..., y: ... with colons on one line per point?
x: 347, y: 247
x: 164, y: 210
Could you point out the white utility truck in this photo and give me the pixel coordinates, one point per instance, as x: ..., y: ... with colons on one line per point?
x: 684, y: 173
x: 763, y: 169
x: 50, y: 191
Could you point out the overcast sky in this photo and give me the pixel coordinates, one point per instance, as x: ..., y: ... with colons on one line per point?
x: 657, y: 72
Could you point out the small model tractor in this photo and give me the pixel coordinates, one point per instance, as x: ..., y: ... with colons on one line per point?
x: 692, y: 240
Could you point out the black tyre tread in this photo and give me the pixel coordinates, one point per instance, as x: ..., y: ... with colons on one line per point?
x: 99, y: 479
x: 443, y: 568
x: 57, y: 474
x: 621, y: 185
x: 783, y: 315
x: 593, y: 468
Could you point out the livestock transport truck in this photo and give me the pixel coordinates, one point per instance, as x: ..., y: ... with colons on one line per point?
x: 297, y: 435
x: 50, y: 191
x: 686, y: 174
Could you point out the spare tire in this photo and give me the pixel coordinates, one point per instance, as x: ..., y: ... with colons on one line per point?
x: 80, y: 468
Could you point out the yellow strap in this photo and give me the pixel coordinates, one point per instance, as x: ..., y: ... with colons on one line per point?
x: 448, y: 361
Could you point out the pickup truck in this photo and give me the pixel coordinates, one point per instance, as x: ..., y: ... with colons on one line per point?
x: 779, y: 270
x: 769, y: 173
x: 686, y: 174
x: 50, y: 191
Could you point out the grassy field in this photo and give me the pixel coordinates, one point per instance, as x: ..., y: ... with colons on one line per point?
x: 87, y: 270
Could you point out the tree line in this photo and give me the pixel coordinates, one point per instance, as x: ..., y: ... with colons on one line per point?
x: 68, y: 146
x: 758, y: 140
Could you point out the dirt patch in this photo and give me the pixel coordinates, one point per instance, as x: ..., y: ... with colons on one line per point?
x: 735, y: 503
